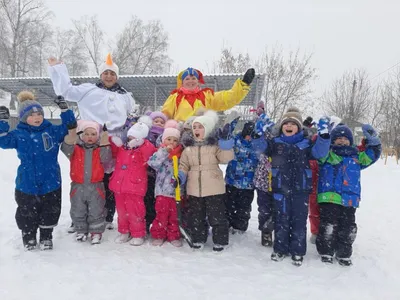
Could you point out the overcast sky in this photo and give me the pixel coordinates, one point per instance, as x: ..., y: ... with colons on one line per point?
x: 342, y: 34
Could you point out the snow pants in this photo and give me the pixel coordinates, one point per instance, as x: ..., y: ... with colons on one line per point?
x: 110, y: 199
x: 37, y: 211
x: 337, y: 230
x: 238, y: 207
x: 87, y: 207
x: 212, y: 208
x: 131, y: 212
x: 313, y: 214
x: 266, y: 209
x: 291, y: 223
x: 149, y: 200
x: 165, y: 225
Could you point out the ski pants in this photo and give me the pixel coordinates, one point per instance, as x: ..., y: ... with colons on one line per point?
x: 149, y: 200
x: 266, y: 209
x: 87, y: 207
x: 337, y: 230
x: 212, y: 207
x: 131, y: 213
x: 110, y: 199
x: 165, y: 225
x: 238, y: 207
x: 313, y: 213
x: 291, y: 223
x: 37, y: 211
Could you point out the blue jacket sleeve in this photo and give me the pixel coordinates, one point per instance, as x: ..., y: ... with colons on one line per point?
x: 373, y: 153
x: 8, y: 140
x: 321, y: 147
x: 61, y: 131
x: 259, y: 145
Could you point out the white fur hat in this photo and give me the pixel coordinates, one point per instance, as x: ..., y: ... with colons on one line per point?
x: 139, y: 130
x: 209, y: 120
x: 109, y: 65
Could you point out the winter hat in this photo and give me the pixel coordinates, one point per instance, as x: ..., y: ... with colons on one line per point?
x: 158, y: 114
x: 248, y: 129
x: 189, y: 71
x: 209, y: 120
x: 188, y: 123
x: 84, y: 124
x: 28, y: 105
x: 171, y: 129
x: 146, y: 120
x: 342, y: 131
x: 260, y: 108
x: 139, y: 130
x: 109, y: 65
x: 292, y: 115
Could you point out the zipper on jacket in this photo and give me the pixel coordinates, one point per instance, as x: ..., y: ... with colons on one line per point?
x: 199, y: 172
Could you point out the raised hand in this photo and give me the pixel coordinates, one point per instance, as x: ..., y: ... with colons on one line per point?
x: 371, y: 135
x: 224, y: 132
x: 53, y: 61
x: 249, y: 76
x: 4, y: 113
x: 323, y: 126
x: 62, y: 104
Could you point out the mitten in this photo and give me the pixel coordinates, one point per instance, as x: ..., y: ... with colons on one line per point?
x: 71, y: 137
x: 323, y: 127
x: 4, y: 113
x: 104, y: 141
x: 62, y: 104
x: 117, y: 141
x: 308, y: 122
x: 371, y: 135
x: 249, y: 76
x: 4, y: 126
x: 224, y: 132
x: 263, y: 124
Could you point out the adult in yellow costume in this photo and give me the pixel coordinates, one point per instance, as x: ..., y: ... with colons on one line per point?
x: 184, y: 101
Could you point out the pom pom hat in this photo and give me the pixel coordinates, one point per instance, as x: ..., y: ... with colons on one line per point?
x: 292, y: 115
x: 109, y: 65
x: 28, y: 105
x: 171, y: 130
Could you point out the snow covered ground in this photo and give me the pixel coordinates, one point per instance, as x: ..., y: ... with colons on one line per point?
x: 244, y: 271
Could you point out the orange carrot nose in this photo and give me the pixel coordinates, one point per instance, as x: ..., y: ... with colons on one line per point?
x: 109, y: 61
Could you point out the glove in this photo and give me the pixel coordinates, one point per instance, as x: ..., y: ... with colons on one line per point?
x: 104, y: 137
x: 323, y: 126
x: 224, y: 132
x: 249, y: 76
x: 263, y: 124
x: 371, y: 135
x: 72, y: 125
x: 176, y: 182
x: 4, y: 113
x: 62, y: 104
x: 308, y: 122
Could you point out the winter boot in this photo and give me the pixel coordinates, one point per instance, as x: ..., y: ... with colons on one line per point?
x: 266, y: 239
x: 275, y: 256
x: 30, y: 245
x: 95, y: 238
x: 71, y: 228
x: 81, y: 237
x: 122, y: 238
x: 109, y: 225
x: 328, y: 259
x: 137, y: 241
x: 313, y: 239
x: 198, y: 246
x: 218, y: 248
x: 157, y: 242
x: 297, y: 260
x: 176, y: 243
x: 46, y: 245
x: 29, y: 240
x: 346, y: 262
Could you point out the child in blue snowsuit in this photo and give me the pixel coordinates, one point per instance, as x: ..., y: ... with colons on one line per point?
x: 290, y: 153
x: 339, y: 190
x: 239, y: 180
x: 38, y: 182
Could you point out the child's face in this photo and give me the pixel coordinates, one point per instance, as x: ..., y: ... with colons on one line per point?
x: 89, y: 136
x: 171, y: 141
x: 290, y: 128
x: 198, y: 131
x: 159, y: 122
x: 190, y: 82
x: 35, y: 119
x: 342, y: 141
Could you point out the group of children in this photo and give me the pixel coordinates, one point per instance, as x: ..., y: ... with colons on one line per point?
x: 273, y: 159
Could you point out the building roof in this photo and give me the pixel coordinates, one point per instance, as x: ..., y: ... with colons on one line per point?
x: 148, y: 90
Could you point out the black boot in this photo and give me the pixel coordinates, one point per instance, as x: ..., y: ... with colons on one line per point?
x: 266, y: 239
x: 29, y: 240
x: 346, y: 262
x: 46, y: 238
x: 297, y: 260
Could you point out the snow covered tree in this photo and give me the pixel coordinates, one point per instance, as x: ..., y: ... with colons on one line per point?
x: 229, y: 63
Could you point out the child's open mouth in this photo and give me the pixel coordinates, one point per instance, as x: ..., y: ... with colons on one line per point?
x: 289, y: 130
x: 197, y: 135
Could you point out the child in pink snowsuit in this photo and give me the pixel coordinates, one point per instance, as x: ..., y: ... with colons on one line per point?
x: 129, y: 183
x: 165, y: 225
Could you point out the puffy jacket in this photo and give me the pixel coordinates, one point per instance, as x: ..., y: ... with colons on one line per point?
x: 340, y: 173
x: 37, y: 148
x: 130, y: 174
x: 178, y: 107
x: 241, y: 169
